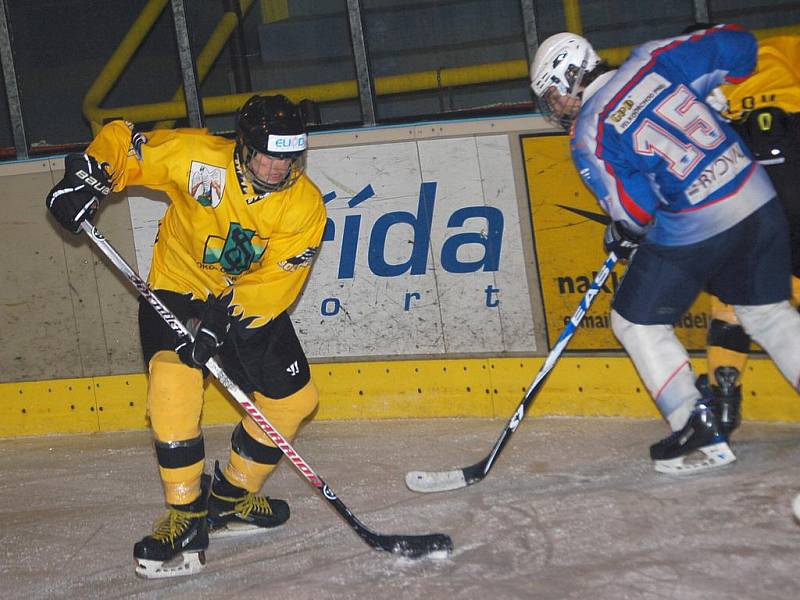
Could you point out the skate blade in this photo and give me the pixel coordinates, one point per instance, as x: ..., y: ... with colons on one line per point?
x: 702, y: 459
x: 796, y: 507
x: 233, y: 529
x: 184, y: 564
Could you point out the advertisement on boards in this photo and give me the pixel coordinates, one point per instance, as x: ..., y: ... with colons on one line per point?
x: 568, y: 226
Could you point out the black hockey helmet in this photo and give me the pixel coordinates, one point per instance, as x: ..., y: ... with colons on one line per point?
x: 273, y: 126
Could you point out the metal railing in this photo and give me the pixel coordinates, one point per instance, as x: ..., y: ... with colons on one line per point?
x: 364, y: 88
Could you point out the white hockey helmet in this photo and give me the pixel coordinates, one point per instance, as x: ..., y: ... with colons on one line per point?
x: 557, y: 71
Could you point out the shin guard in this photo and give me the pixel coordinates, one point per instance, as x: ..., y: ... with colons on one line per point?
x: 174, y: 398
x: 253, y: 455
x: 663, y: 364
x: 174, y: 403
x: 181, y: 467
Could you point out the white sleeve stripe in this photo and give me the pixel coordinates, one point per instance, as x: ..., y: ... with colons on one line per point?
x: 64, y: 191
x: 83, y: 210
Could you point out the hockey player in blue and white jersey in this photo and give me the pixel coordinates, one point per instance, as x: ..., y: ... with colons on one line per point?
x: 690, y: 209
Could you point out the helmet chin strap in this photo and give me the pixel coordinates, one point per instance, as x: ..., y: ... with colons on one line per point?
x: 259, y: 189
x: 262, y: 187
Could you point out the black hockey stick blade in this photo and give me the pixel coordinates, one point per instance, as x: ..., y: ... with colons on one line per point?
x: 432, y: 545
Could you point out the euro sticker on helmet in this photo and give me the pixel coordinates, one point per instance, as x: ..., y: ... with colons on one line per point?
x: 286, y: 143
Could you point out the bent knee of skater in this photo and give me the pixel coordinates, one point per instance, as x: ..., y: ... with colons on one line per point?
x: 757, y: 318
x: 627, y: 331
x: 619, y: 324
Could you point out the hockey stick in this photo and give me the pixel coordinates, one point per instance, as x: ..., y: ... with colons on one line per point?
x: 442, y: 481
x: 410, y: 546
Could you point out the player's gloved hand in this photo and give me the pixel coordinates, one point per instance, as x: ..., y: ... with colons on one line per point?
x: 77, y: 196
x: 620, y: 239
x: 209, y: 338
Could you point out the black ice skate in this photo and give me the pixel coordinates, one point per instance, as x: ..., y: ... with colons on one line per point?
x: 699, y: 446
x: 178, y: 543
x: 727, y: 400
x: 234, y: 511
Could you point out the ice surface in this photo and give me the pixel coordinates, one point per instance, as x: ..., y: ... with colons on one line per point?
x: 572, y: 510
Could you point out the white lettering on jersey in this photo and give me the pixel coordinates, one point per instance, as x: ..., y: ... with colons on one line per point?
x: 718, y: 173
x: 639, y: 98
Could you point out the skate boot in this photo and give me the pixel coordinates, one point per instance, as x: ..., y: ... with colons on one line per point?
x: 727, y: 401
x: 234, y: 511
x: 178, y: 543
x: 698, y: 446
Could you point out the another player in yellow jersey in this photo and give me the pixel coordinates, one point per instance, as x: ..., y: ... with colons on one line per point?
x: 232, y: 253
x: 765, y: 111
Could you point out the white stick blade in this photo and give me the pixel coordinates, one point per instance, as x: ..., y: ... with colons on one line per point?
x: 796, y: 507
x: 435, y: 481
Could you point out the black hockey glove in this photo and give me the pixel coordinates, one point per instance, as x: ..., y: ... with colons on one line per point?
x: 620, y: 239
x: 209, y: 338
x: 77, y: 196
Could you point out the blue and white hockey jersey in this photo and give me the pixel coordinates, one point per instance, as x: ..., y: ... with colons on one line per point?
x: 655, y: 155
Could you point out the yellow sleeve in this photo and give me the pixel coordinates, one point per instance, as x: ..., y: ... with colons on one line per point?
x: 775, y: 82
x: 137, y: 158
x: 264, y: 293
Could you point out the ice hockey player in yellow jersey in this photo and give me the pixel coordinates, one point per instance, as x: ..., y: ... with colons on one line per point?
x: 232, y: 254
x: 765, y: 110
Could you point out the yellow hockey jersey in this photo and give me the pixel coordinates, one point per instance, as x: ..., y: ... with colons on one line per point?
x: 775, y: 82
x: 218, y: 236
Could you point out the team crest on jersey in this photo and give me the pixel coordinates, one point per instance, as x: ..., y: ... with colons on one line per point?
x: 206, y: 183
x: 236, y: 252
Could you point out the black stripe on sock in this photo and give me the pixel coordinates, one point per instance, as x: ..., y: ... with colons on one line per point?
x: 248, y: 447
x: 174, y: 455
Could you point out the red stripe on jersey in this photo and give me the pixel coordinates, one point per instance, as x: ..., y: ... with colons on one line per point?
x: 629, y: 204
x: 736, y: 79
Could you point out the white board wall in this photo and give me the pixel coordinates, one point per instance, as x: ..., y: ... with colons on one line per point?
x: 422, y: 257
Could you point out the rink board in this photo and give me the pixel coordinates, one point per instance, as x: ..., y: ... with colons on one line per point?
x: 490, y: 388
x: 454, y: 253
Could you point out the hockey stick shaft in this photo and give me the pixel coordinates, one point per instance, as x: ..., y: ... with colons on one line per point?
x: 552, y: 358
x: 424, y: 481
x: 411, y: 546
